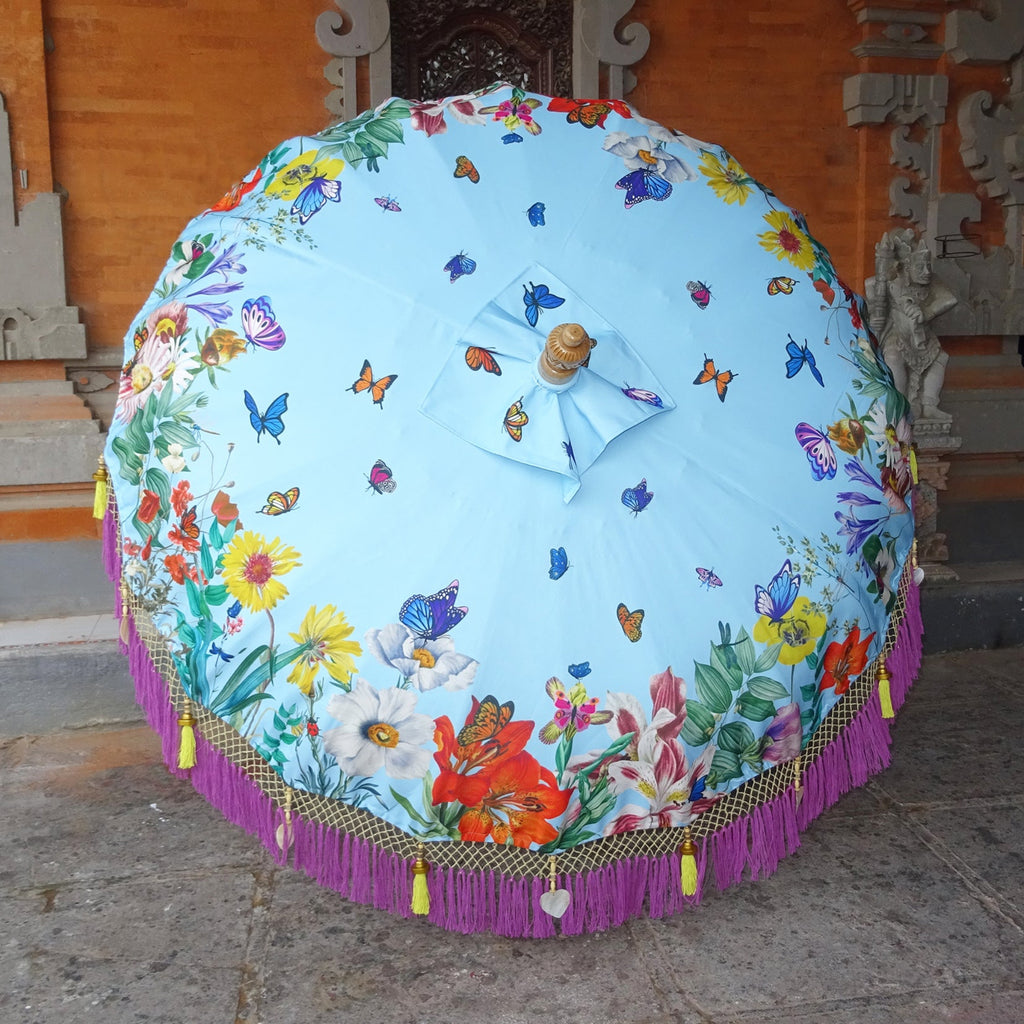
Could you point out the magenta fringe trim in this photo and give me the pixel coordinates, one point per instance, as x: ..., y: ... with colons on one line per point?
x: 471, y: 901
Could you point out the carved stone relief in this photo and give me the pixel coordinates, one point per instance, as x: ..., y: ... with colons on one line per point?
x: 563, y: 47
x: 35, y: 320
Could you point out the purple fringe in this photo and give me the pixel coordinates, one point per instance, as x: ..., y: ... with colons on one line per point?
x: 471, y: 901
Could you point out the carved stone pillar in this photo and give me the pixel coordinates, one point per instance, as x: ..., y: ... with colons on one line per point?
x: 934, y: 443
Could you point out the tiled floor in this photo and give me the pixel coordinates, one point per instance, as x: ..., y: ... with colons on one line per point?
x: 127, y: 898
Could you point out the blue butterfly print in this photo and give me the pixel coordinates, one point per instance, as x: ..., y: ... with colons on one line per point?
x: 536, y: 215
x: 798, y: 357
x: 269, y: 422
x: 641, y: 184
x: 567, y: 448
x: 432, y: 617
x: 536, y: 298
x: 459, y: 265
x: 636, y: 499
x: 314, y: 197
x: 580, y: 670
x: 697, y: 789
x: 559, y: 563
x: 510, y: 138
x: 775, y: 600
x: 235, y: 610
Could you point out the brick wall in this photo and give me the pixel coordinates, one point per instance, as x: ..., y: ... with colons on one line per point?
x: 156, y: 108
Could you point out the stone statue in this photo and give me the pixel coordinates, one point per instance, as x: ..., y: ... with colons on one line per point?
x: 903, y: 300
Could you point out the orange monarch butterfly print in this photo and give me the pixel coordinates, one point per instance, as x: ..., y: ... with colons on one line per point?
x: 365, y: 382
x: 189, y: 526
x: 482, y: 357
x: 781, y: 285
x: 489, y: 719
x: 630, y: 622
x: 278, y: 503
x: 515, y: 420
x: 590, y: 114
x: 465, y: 168
x: 722, y: 378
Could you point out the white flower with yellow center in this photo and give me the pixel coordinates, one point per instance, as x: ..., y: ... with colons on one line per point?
x: 379, y: 729
x: 426, y: 664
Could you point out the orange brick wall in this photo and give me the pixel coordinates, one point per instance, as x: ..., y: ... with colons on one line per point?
x: 156, y: 108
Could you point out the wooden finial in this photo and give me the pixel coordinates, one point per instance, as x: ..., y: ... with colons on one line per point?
x: 567, y: 346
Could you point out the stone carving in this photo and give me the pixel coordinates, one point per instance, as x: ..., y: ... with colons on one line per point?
x: 35, y: 321
x: 359, y: 28
x: 590, y: 50
x: 904, y: 33
x: 973, y: 37
x: 903, y: 300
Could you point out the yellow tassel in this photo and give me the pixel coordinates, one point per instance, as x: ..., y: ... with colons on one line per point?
x: 913, y: 463
x: 688, y: 867
x: 798, y: 782
x: 99, y: 498
x: 884, y: 696
x: 187, y: 745
x: 420, y: 894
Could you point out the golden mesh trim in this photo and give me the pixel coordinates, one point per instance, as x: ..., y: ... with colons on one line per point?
x: 513, y: 861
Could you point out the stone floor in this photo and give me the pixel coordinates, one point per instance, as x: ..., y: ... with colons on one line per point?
x: 126, y: 898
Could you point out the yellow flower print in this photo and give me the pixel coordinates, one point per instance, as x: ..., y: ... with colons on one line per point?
x: 729, y: 181
x: 292, y: 179
x: 252, y: 566
x: 787, y: 241
x: 323, y: 636
x: 798, y: 631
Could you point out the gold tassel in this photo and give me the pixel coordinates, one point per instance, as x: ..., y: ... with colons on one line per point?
x: 99, y: 498
x: 420, y: 894
x: 688, y: 866
x: 124, y: 611
x: 913, y: 463
x: 884, y: 696
x: 187, y: 745
x: 798, y: 782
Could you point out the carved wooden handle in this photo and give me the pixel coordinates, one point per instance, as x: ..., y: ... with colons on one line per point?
x: 567, y: 346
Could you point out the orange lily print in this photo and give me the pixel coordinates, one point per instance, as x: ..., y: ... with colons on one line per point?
x: 488, y: 737
x: 843, y: 660
x: 520, y: 798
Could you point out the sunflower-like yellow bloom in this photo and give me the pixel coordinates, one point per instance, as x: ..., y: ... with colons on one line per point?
x: 798, y: 631
x: 292, y: 179
x: 252, y: 566
x: 787, y: 240
x: 323, y: 636
x: 730, y: 182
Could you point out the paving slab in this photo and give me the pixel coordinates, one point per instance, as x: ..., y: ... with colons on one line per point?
x: 126, y: 898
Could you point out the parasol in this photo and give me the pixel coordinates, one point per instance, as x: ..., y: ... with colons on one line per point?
x: 511, y: 516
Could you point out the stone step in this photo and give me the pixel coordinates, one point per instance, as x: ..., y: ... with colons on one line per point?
x: 12, y: 388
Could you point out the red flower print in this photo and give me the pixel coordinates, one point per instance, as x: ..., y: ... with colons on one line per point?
x: 148, y: 507
x: 845, y: 659
x: 180, y: 497
x: 519, y: 799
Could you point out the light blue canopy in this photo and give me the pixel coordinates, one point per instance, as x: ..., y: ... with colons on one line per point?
x: 416, y: 578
